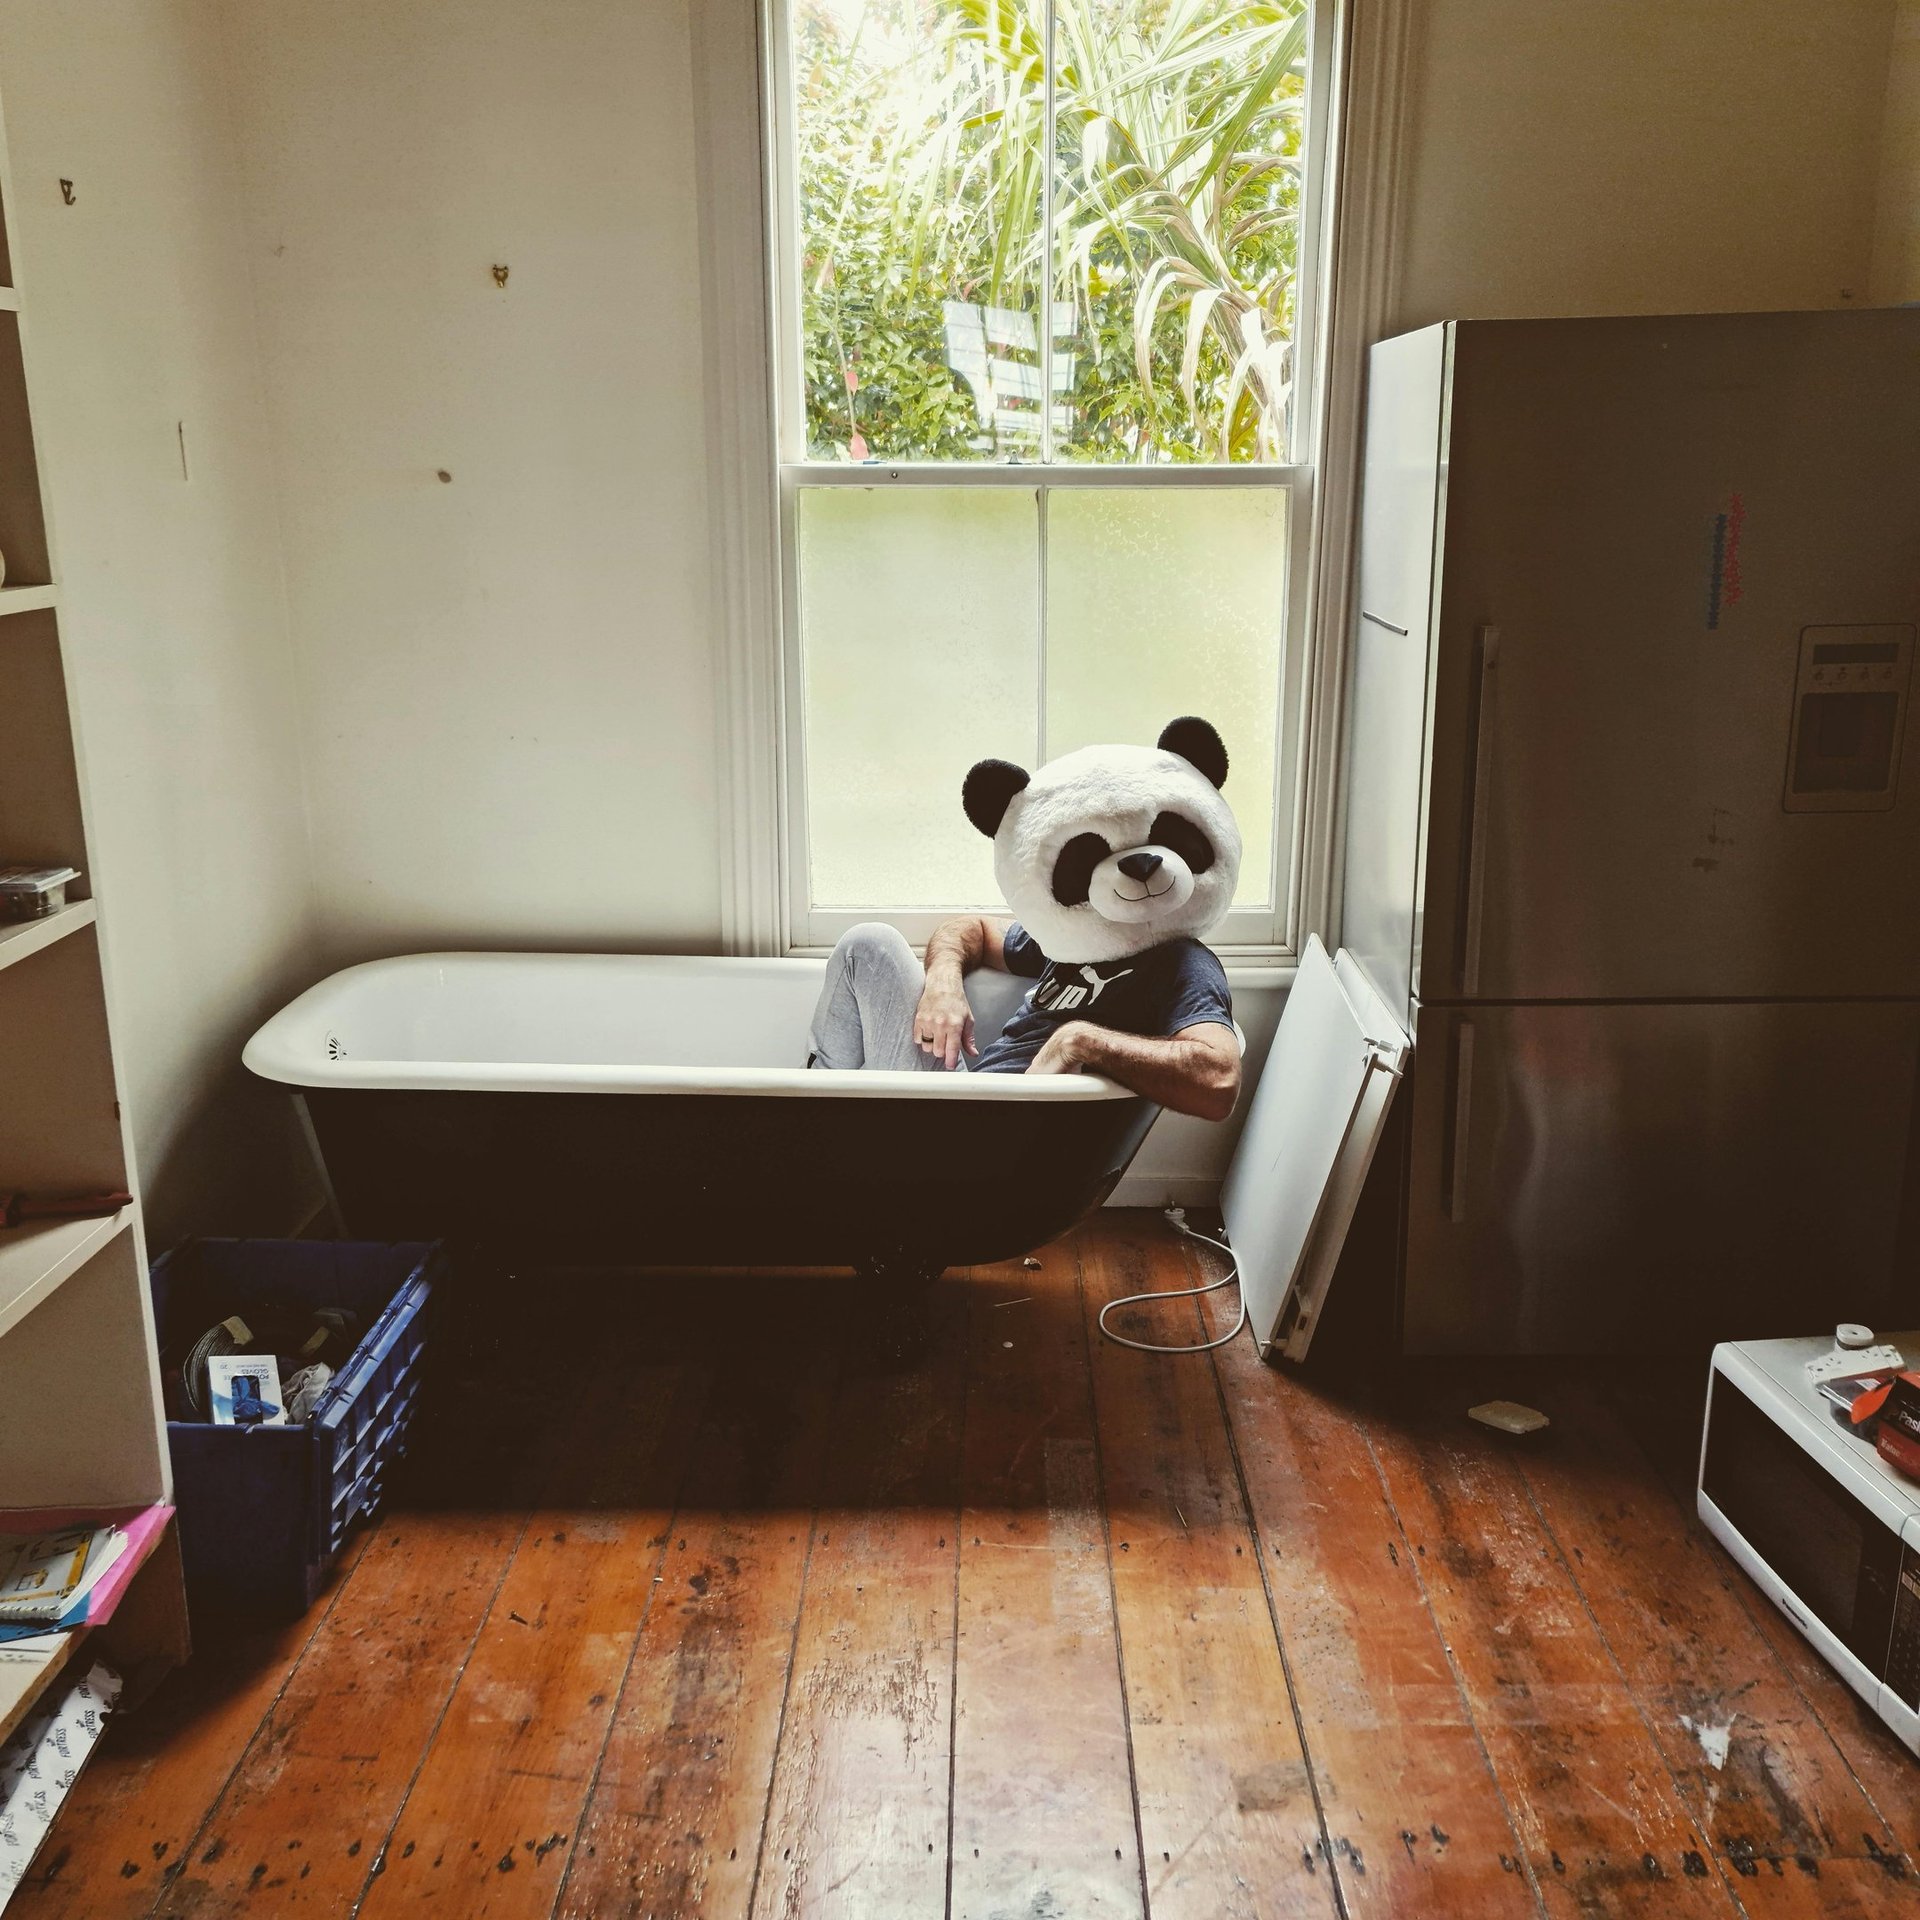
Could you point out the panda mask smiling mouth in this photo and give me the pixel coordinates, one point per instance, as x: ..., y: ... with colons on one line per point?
x: 1110, y: 850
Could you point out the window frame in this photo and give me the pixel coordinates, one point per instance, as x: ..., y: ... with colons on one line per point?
x: 1250, y: 936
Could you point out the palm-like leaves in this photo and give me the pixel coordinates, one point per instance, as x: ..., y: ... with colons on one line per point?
x: 1176, y: 156
x: 1176, y: 181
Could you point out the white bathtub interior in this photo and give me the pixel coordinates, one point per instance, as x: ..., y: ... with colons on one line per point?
x: 604, y: 1021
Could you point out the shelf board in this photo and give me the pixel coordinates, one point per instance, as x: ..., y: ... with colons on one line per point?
x: 26, y: 599
x: 22, y: 1682
x: 19, y: 938
x: 9, y: 300
x: 36, y: 1258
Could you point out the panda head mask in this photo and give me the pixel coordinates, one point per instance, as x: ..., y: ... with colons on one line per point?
x: 1112, y: 850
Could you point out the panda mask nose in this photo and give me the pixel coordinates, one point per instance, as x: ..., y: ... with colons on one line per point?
x: 1140, y: 866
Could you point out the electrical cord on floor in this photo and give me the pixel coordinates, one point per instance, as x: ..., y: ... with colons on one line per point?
x: 1177, y: 1219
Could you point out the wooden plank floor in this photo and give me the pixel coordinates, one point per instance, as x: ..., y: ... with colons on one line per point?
x: 688, y: 1605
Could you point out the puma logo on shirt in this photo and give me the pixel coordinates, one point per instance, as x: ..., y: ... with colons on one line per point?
x: 1059, y: 993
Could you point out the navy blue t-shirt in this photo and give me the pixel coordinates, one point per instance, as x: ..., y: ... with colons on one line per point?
x: 1175, y: 985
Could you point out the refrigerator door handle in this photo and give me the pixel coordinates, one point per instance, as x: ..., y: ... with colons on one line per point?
x: 1456, y: 1161
x: 1477, y: 810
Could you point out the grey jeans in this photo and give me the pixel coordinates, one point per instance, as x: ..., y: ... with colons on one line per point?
x: 865, y: 1015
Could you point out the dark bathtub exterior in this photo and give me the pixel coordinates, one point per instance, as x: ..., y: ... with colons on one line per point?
x: 637, y: 1179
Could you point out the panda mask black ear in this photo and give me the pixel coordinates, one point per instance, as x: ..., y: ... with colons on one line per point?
x: 1195, y: 740
x: 988, y: 791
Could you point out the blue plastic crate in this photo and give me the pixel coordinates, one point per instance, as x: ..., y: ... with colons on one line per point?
x: 263, y: 1511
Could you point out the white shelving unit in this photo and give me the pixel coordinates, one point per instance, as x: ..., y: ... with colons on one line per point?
x: 23, y: 599
x: 34, y: 1259
x: 20, y: 938
x: 82, y: 1424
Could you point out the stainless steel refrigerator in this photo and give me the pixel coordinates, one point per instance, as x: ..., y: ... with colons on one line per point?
x: 1633, y: 823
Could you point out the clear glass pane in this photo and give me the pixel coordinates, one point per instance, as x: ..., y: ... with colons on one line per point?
x: 1165, y: 601
x: 1179, y: 128
x: 919, y: 140
x: 920, y: 649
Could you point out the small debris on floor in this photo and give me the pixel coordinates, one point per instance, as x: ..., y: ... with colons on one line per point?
x: 1715, y: 1737
x: 1031, y: 1264
x: 1021, y: 1302
x: 1509, y: 1416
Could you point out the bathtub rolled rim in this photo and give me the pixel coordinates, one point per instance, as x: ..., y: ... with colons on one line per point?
x: 290, y: 1048
x: 269, y: 1062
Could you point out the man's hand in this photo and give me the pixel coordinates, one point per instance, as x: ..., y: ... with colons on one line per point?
x: 1062, y: 1052
x: 943, y: 1021
x: 1196, y: 1070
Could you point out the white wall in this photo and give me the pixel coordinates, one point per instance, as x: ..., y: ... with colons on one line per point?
x: 506, y: 683
x: 507, y: 678
x: 1641, y: 156
x: 172, y: 614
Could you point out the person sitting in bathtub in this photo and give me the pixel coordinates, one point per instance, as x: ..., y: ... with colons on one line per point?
x: 1114, y: 860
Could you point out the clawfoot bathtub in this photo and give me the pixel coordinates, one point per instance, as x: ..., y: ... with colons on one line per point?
x: 646, y: 1110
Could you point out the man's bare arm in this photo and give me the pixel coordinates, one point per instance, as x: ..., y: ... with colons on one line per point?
x: 1196, y: 1070
x: 943, y: 1022
x: 967, y: 941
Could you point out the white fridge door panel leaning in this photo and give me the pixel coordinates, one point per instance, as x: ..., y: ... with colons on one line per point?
x: 1402, y: 505
x: 1316, y: 1118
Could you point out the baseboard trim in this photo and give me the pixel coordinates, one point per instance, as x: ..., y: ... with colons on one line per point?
x: 315, y: 1223
x: 1165, y: 1190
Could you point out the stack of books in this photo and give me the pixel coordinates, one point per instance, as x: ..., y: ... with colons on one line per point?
x: 46, y: 1579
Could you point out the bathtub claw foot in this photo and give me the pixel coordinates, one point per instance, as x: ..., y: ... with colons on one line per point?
x: 897, y: 1329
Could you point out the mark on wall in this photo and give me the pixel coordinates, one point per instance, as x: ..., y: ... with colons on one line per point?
x: 1730, y: 564
x: 1724, y: 587
x: 1719, y: 824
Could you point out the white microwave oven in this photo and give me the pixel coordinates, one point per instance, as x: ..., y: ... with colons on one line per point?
x: 1828, y: 1531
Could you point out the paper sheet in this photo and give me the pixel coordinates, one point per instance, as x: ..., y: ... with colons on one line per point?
x: 39, y: 1764
x: 30, y: 1647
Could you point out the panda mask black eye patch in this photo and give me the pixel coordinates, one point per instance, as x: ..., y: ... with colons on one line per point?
x: 1073, y: 870
x: 1179, y: 835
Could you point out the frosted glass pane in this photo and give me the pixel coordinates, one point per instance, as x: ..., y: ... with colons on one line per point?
x: 1161, y: 603
x: 920, y: 649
